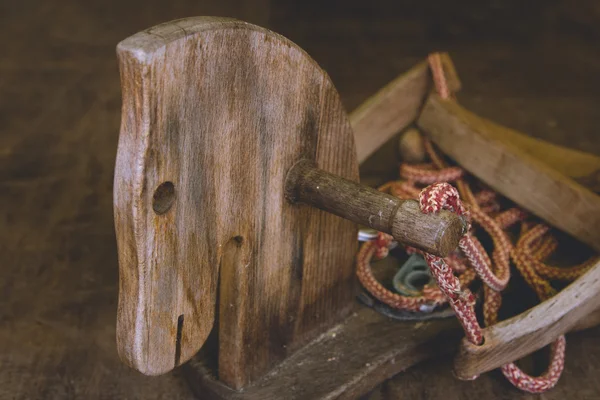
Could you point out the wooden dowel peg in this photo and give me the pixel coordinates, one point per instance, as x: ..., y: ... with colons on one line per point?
x: 438, y: 233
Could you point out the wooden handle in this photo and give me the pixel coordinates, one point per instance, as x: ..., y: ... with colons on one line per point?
x: 435, y: 233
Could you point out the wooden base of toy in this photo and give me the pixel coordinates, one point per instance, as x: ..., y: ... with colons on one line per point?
x: 346, y: 362
x: 343, y: 363
x: 351, y: 358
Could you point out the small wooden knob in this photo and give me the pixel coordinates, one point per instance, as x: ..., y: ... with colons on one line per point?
x: 438, y: 233
x: 411, y: 146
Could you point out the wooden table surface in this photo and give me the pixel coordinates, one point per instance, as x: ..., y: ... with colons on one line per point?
x: 533, y: 68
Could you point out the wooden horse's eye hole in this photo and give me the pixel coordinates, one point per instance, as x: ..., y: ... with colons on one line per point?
x: 163, y: 198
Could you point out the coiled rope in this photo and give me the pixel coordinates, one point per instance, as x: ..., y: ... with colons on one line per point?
x: 455, y: 273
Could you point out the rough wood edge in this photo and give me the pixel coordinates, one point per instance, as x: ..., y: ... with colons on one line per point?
x: 582, y: 167
x: 589, y: 321
x: 148, y: 44
x: 343, y: 363
x: 142, y: 49
x: 453, y: 128
x: 514, y: 338
x: 395, y: 106
x: 441, y: 337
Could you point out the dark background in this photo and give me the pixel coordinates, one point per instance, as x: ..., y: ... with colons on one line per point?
x: 531, y: 65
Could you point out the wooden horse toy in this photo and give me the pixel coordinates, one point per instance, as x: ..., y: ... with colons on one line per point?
x: 236, y: 208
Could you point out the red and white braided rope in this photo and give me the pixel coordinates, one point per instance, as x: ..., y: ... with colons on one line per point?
x: 544, y: 382
x: 427, y: 176
x: 443, y: 196
x: 450, y: 288
x: 528, y: 254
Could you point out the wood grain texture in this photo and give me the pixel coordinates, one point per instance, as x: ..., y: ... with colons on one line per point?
x: 588, y: 321
x: 583, y: 168
x: 494, y: 154
x: 222, y: 109
x: 395, y: 106
x: 539, y: 326
x: 343, y: 363
x: 506, y: 168
x: 347, y: 361
x: 437, y: 233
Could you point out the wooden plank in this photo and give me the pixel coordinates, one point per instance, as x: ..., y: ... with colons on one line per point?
x: 218, y: 111
x: 511, y: 171
x: 505, y: 161
x: 531, y: 330
x: 343, y: 363
x: 583, y: 168
x: 301, y: 374
x: 589, y: 321
x: 395, y: 106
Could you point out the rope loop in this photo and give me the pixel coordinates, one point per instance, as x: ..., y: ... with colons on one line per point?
x: 454, y: 274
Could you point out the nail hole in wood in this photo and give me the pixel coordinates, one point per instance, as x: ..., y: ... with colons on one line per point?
x: 178, y: 340
x: 163, y: 198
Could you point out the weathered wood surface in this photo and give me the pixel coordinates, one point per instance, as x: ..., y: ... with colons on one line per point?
x: 398, y: 346
x: 506, y: 168
x: 395, y: 106
x: 344, y: 363
x: 529, y: 331
x: 437, y: 233
x: 589, y: 321
x: 59, y: 121
x: 223, y: 109
x: 494, y: 155
x: 582, y: 167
